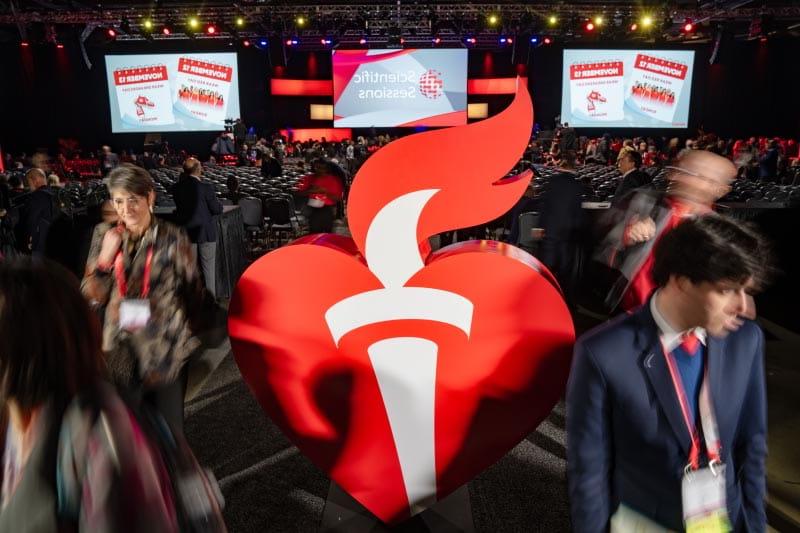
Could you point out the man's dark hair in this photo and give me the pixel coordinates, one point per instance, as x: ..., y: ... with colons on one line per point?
x: 49, y: 338
x: 635, y: 157
x: 713, y: 248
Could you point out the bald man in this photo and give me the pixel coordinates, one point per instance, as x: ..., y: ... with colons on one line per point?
x: 196, y: 205
x: 696, y: 181
x: 37, y: 209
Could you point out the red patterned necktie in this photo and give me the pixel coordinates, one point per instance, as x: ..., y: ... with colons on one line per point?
x: 690, y: 342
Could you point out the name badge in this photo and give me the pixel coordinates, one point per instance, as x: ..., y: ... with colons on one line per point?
x: 133, y: 314
x: 704, y: 507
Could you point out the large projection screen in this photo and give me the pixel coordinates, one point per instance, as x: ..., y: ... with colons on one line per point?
x: 395, y: 88
x: 172, y: 92
x: 627, y: 88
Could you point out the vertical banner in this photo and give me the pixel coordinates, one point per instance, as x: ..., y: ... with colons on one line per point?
x: 655, y: 86
x: 597, y: 90
x: 203, y: 89
x: 143, y: 95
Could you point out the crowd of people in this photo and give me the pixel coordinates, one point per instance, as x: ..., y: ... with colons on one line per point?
x: 120, y: 340
x: 772, y: 159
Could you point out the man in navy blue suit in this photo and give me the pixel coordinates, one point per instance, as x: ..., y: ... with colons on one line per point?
x: 674, y: 393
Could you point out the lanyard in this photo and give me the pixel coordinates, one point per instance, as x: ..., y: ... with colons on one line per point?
x: 707, y: 419
x: 119, y: 271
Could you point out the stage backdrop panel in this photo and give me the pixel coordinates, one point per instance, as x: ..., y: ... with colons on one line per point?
x: 395, y: 88
x: 627, y: 88
x: 172, y: 92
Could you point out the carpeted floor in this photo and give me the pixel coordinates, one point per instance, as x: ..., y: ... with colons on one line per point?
x: 270, y: 487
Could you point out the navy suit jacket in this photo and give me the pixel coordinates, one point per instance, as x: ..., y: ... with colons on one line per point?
x: 627, y: 441
x: 196, y: 204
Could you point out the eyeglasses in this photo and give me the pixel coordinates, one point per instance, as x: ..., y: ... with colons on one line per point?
x: 697, y: 175
x: 132, y: 201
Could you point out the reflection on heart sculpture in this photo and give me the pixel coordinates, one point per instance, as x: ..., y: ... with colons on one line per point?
x: 399, y: 372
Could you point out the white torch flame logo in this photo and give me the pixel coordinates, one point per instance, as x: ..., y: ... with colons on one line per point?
x: 405, y: 367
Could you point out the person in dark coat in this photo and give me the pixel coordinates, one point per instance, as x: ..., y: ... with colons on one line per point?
x: 270, y: 166
x: 196, y: 204
x: 37, y: 209
x: 768, y: 163
x: 630, y: 163
x: 561, y: 221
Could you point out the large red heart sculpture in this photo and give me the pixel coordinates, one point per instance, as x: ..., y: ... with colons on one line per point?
x: 404, y: 380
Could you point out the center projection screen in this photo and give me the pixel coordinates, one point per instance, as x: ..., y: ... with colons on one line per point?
x: 172, y: 92
x: 397, y: 88
x: 627, y: 88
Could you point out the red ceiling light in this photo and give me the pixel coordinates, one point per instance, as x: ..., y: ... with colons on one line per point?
x: 111, y: 33
x: 60, y: 46
x: 166, y: 31
x: 548, y: 40
x: 634, y: 27
x: 24, y: 43
x: 245, y: 43
x: 589, y: 26
x: 688, y: 26
x: 211, y: 30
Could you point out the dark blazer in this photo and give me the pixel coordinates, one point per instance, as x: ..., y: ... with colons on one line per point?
x: 637, y: 178
x: 561, y: 215
x: 196, y: 204
x: 37, y: 210
x: 627, y: 440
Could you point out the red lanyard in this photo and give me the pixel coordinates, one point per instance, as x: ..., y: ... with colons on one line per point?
x: 119, y: 271
x: 707, y: 420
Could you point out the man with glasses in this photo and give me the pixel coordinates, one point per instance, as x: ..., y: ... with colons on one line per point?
x: 629, y: 163
x: 696, y: 182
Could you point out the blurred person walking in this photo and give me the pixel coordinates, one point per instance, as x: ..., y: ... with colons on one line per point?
x: 144, y: 272
x: 666, y: 407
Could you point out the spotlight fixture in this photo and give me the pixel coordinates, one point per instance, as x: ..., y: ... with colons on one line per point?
x: 246, y: 43
x: 436, y: 40
x: 647, y: 21
x: 493, y: 20
x: 547, y: 40
x: 166, y: 30
x: 688, y: 26
x: 111, y: 33
x: 326, y: 41
x: 362, y: 41
x: 293, y: 41
x: 194, y: 23
x: 59, y: 46
x: 589, y: 26
x: 598, y: 21
x: 147, y: 25
x: 240, y: 22
x: 505, y: 40
x: 211, y: 29
x: 534, y: 40
x: 552, y: 20
x: 469, y: 40
x: 263, y: 42
x: 24, y: 44
x: 300, y: 20
x: 634, y: 27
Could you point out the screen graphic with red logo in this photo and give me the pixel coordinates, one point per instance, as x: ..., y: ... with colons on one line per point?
x: 627, y: 88
x: 396, y: 88
x: 172, y: 92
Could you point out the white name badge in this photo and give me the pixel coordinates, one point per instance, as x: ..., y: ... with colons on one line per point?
x: 704, y: 507
x: 133, y: 314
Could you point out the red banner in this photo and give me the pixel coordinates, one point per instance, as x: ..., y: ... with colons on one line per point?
x: 661, y: 66
x: 601, y: 69
x: 140, y: 75
x: 204, y: 69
